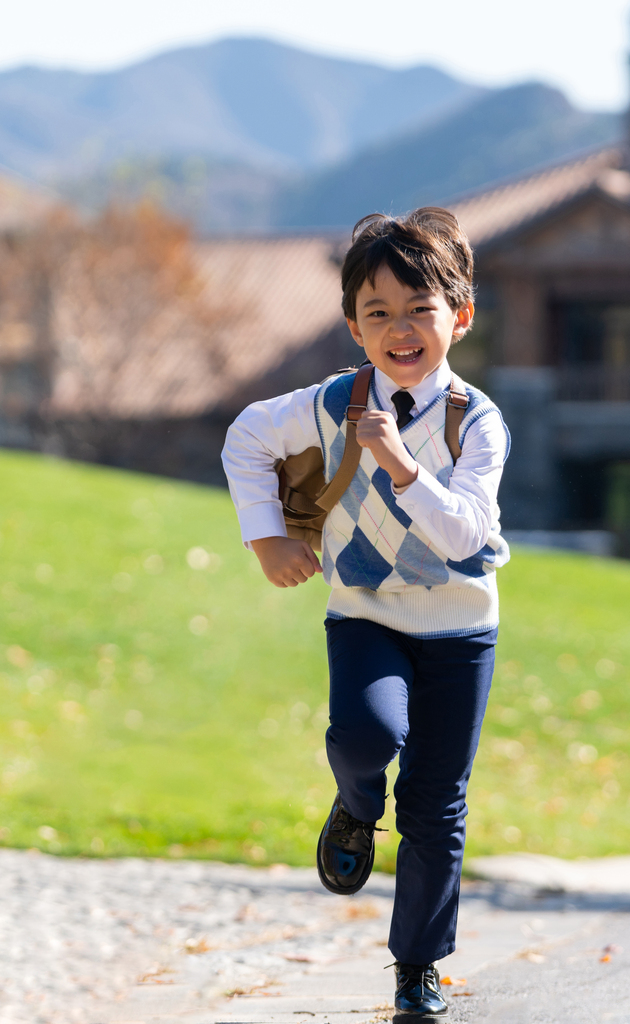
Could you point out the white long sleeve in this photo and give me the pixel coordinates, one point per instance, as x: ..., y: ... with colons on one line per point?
x: 263, y: 433
x: 457, y: 518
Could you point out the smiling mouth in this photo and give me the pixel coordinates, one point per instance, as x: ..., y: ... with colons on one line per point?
x: 405, y: 355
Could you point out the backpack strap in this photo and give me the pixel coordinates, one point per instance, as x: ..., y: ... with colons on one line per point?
x: 330, y: 495
x: 456, y: 404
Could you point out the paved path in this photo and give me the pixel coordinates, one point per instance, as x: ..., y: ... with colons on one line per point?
x: 163, y: 942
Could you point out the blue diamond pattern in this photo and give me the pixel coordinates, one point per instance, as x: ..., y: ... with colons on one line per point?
x: 336, y: 453
x: 473, y: 566
x: 337, y: 396
x: 418, y: 565
x: 328, y: 565
x: 382, y: 483
x: 361, y: 565
x: 355, y: 494
x: 360, y: 562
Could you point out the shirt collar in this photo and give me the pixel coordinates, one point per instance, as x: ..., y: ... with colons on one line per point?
x: 423, y: 394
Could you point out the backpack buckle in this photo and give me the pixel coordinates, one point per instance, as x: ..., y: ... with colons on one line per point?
x: 458, y: 400
x: 353, y: 416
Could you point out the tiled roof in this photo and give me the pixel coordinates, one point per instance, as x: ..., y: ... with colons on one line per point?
x: 266, y: 300
x: 283, y: 292
x: 488, y: 214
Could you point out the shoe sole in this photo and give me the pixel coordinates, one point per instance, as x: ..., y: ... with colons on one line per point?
x: 421, y: 1018
x: 338, y: 889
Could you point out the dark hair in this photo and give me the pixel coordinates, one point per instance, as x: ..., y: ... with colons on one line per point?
x: 425, y: 249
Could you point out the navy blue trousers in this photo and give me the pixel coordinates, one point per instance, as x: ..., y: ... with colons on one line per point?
x: 424, y: 700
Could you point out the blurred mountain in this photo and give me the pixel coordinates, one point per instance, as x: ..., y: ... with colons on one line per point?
x: 246, y: 100
x: 506, y: 132
x: 246, y: 134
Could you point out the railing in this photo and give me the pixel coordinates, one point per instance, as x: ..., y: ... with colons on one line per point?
x: 593, y: 382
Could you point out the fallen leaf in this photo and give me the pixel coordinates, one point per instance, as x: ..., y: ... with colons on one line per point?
x: 359, y: 911
x: 463, y: 993
x: 605, y: 959
x: 532, y: 956
x: 452, y: 981
x: 153, y: 977
x: 195, y: 946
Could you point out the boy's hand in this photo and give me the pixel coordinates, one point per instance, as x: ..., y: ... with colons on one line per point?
x: 286, y: 562
x: 378, y: 431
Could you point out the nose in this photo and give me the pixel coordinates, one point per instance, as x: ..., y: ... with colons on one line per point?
x: 400, y: 328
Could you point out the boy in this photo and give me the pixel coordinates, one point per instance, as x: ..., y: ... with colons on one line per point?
x: 410, y: 552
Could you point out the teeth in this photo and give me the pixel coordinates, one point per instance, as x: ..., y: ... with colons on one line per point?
x: 406, y: 352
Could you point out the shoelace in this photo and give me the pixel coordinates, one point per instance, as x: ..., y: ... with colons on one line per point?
x: 345, y: 824
x: 416, y: 973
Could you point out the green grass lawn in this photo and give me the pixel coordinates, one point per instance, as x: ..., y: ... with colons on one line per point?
x: 160, y: 697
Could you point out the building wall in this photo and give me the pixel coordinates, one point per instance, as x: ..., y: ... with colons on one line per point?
x: 562, y: 445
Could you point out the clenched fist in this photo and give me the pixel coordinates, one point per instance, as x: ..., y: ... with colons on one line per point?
x: 378, y: 431
x: 286, y: 562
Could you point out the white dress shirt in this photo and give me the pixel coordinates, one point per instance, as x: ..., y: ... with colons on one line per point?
x: 457, y: 518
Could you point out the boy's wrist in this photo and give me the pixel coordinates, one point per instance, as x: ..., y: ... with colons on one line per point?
x: 405, y: 477
x: 265, y: 543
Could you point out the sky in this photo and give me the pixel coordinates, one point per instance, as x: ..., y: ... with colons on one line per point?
x: 578, y: 45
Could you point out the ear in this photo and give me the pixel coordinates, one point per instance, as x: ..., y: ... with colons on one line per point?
x: 355, y: 332
x: 463, y: 320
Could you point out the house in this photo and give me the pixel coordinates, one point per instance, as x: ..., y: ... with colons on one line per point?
x: 134, y: 367
x: 148, y: 346
x: 552, y: 342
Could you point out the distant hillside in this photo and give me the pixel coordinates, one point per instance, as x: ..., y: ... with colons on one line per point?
x: 245, y: 100
x: 507, y: 132
x: 247, y: 134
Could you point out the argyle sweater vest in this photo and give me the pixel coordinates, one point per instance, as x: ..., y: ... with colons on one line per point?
x: 377, y: 560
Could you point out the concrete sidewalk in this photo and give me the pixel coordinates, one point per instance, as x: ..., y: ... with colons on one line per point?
x: 140, y: 941
x: 524, y: 955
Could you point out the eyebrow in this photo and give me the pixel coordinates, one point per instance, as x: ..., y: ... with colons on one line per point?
x: 383, y: 302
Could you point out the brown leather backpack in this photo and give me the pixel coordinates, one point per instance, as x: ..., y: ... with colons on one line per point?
x: 307, y: 498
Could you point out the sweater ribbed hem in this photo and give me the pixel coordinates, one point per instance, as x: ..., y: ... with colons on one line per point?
x: 420, y: 612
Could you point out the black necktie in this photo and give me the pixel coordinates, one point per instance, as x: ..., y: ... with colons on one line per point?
x: 403, y: 402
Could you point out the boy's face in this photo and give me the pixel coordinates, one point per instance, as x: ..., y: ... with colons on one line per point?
x: 405, y: 332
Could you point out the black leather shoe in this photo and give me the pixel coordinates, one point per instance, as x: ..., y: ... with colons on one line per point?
x: 418, y: 995
x: 345, y: 851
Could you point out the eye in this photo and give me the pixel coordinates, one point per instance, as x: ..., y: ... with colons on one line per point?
x: 378, y: 312
x: 421, y: 309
